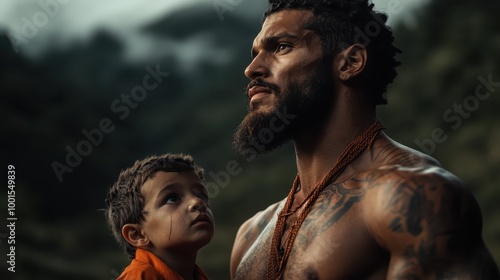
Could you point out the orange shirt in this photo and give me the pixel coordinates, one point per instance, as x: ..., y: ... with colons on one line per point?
x: 148, y: 266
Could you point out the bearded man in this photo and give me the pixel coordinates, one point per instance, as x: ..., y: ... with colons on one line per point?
x: 362, y: 205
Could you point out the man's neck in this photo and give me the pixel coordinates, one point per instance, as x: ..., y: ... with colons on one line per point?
x: 317, y: 150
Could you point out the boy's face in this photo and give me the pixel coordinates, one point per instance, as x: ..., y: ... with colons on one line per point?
x: 177, y: 217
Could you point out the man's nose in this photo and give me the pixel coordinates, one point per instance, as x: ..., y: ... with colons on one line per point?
x: 257, y: 68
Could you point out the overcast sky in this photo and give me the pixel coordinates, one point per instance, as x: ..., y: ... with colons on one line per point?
x: 83, y: 15
x: 69, y: 20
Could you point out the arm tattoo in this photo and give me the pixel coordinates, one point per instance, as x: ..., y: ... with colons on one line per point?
x: 429, y: 209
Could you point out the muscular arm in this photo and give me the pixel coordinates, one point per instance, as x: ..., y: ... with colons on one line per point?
x: 431, y: 226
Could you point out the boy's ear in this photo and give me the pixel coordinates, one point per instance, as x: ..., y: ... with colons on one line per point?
x: 134, y: 235
x: 352, y: 62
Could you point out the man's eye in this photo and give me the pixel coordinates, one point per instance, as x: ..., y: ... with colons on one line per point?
x: 172, y: 198
x: 282, y: 47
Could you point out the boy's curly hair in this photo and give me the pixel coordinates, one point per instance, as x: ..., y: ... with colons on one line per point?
x: 124, y: 201
x: 342, y: 23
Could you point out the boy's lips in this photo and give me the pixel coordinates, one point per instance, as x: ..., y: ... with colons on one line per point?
x: 202, y: 218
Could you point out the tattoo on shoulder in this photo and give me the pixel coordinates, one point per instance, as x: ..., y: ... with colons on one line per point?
x: 261, y: 225
x: 389, y: 153
x: 337, y: 199
x: 423, y: 200
x: 428, y: 210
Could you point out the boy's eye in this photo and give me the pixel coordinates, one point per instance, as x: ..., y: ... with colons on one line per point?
x: 172, y: 198
x: 203, y: 196
x: 205, y: 200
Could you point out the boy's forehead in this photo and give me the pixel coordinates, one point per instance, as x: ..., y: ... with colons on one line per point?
x: 161, y: 179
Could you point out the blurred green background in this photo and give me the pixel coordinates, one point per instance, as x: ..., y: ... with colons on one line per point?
x: 61, y: 73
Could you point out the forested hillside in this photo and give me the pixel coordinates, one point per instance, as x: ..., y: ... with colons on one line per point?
x: 69, y: 130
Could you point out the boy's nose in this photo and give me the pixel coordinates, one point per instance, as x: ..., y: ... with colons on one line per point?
x: 198, y: 205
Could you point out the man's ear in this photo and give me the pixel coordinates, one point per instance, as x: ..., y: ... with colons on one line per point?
x: 352, y: 62
x: 134, y: 235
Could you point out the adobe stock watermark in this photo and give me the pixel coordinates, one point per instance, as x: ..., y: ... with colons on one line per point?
x: 30, y: 26
x: 458, y: 113
x: 233, y: 168
x: 223, y: 6
x: 121, y: 107
x: 372, y: 28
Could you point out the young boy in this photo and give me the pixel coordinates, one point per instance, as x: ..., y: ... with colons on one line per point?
x: 158, y: 210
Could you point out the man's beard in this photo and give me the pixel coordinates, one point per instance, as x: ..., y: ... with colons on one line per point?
x: 303, y: 105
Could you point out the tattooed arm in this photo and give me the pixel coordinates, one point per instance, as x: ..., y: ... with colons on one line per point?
x: 431, y: 225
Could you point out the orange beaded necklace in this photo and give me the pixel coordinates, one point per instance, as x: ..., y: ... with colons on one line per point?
x: 278, y: 258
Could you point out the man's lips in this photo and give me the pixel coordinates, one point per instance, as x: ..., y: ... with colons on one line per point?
x: 253, y: 91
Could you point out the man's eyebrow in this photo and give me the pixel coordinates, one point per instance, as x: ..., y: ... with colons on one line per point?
x: 272, y: 40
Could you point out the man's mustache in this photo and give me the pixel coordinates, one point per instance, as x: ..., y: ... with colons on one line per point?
x: 261, y: 83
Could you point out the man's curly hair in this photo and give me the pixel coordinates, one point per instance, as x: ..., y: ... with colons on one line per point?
x: 342, y: 23
x: 124, y: 201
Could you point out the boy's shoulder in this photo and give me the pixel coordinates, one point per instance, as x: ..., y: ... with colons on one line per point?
x: 147, y: 265
x: 140, y: 269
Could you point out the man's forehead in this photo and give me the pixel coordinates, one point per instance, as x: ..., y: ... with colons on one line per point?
x: 286, y: 21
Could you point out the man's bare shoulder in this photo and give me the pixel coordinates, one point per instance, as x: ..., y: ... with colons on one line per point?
x: 413, y: 183
x: 400, y: 166
x: 419, y: 211
x: 397, y: 167
x: 386, y: 151
x: 252, y: 227
x: 419, y: 185
x: 248, y: 233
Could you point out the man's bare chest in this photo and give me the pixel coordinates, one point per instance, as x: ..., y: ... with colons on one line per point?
x: 332, y: 233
